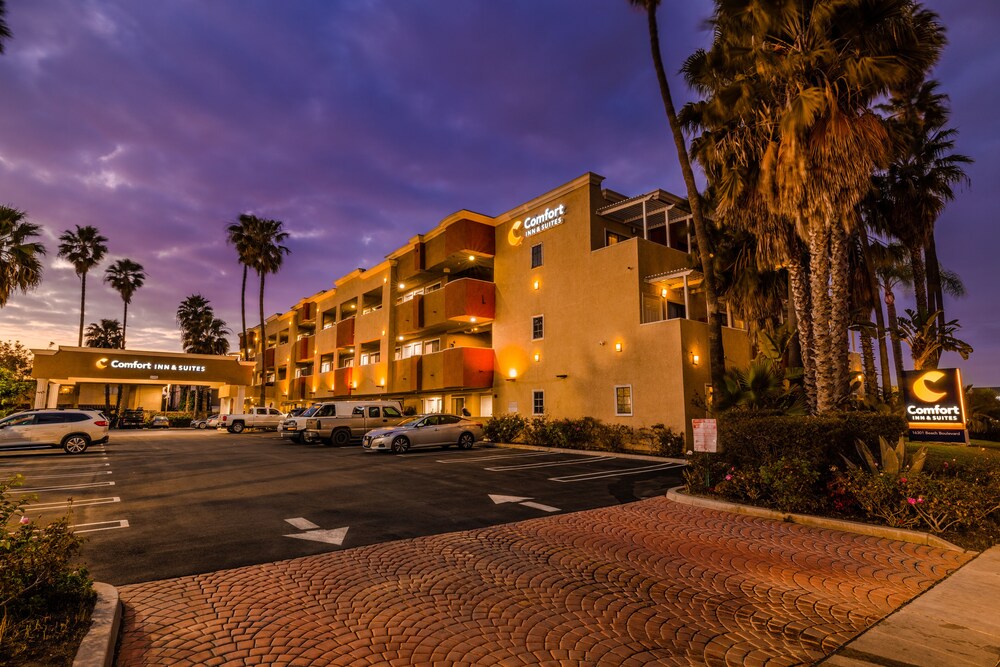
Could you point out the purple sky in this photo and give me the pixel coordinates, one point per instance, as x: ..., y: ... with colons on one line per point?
x: 360, y: 124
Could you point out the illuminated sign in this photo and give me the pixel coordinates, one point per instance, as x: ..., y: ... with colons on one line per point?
x: 547, y: 219
x: 934, y: 403
x: 117, y: 364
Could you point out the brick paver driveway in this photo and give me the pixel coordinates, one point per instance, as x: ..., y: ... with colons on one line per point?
x: 652, y: 582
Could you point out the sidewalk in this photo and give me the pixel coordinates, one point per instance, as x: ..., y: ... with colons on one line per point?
x: 652, y: 582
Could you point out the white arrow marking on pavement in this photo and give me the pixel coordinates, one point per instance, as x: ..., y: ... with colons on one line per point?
x: 499, y: 500
x: 333, y: 536
x: 302, y: 524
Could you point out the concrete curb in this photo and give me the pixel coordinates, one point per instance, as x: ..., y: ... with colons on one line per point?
x: 593, y: 452
x: 914, y: 537
x: 98, y: 646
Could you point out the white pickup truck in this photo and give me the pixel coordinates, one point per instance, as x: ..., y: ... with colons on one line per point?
x: 256, y: 418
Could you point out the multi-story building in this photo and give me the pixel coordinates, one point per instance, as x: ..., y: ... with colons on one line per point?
x: 580, y: 302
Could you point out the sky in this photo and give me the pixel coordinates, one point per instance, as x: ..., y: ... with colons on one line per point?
x: 362, y: 123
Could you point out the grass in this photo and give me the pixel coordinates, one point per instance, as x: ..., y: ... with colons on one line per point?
x: 939, y: 453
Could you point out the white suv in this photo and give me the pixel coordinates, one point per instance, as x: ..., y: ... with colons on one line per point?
x: 73, y: 430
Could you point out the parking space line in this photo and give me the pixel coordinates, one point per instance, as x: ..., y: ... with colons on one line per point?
x: 41, y: 507
x: 71, y: 474
x: 615, y: 473
x: 107, y: 525
x: 551, y: 464
x: 61, y: 488
x: 497, y: 456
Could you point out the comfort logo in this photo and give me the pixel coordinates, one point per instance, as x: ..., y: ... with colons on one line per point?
x: 922, y: 391
x: 514, y: 237
x: 102, y: 363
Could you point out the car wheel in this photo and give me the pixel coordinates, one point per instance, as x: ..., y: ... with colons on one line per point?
x: 466, y: 440
x: 75, y: 444
x: 297, y: 438
x: 237, y: 427
x: 400, y: 445
x: 340, y: 437
x: 202, y: 425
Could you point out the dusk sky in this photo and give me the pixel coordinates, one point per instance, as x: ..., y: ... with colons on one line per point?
x: 364, y: 122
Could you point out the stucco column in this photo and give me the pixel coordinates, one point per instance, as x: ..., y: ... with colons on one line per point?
x: 53, y: 395
x: 241, y: 397
x: 687, y: 304
x: 41, y: 391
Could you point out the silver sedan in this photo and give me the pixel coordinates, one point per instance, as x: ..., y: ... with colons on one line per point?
x: 425, y: 431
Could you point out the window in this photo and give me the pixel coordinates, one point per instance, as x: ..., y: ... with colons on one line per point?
x: 536, y: 255
x: 432, y: 346
x: 537, y: 327
x: 324, y: 366
x: 623, y: 400
x: 389, y: 411
x: 538, y: 402
x: 612, y: 238
x: 372, y: 411
x: 448, y: 419
x: 368, y: 358
x: 358, y: 411
x: 432, y: 288
x: 327, y: 411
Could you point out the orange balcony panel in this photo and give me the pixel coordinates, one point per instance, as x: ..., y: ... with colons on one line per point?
x: 467, y: 236
x: 343, y: 379
x: 269, y: 357
x: 459, y: 367
x: 307, y: 312
x: 304, y: 348
x: 299, y: 389
x: 406, y: 375
x: 411, y: 263
x: 345, y: 332
x: 409, y: 315
x: 466, y: 299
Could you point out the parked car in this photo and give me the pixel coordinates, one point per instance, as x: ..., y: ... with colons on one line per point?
x: 73, y: 430
x: 160, y: 421
x: 132, y: 419
x: 340, y: 422
x: 425, y: 431
x: 213, y: 421
x: 262, y: 418
x: 204, y: 423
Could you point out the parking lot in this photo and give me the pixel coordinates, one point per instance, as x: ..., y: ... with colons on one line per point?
x: 162, y: 504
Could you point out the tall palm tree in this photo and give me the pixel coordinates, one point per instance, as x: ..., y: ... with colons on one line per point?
x: 267, y: 256
x: 84, y: 249
x: 790, y: 88
x: 716, y: 357
x: 20, y: 263
x: 109, y: 335
x: 239, y: 235
x: 125, y: 277
x: 5, y: 33
x: 201, y: 332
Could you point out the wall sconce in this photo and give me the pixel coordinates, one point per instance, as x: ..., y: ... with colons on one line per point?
x: 695, y: 359
x: 535, y: 284
x: 538, y: 357
x: 472, y: 319
x: 383, y: 332
x: 472, y: 258
x: 354, y: 385
x: 381, y: 383
x: 663, y: 292
x: 402, y: 285
x: 618, y: 347
x: 399, y: 338
x: 512, y: 375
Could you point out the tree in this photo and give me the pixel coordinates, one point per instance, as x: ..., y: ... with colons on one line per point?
x: 716, y: 357
x: 15, y: 370
x: 125, y: 277
x: 239, y: 235
x: 927, y: 341
x: 84, y: 249
x: 5, y: 33
x: 201, y: 332
x: 267, y: 254
x: 20, y: 263
x: 110, y: 335
x: 790, y: 88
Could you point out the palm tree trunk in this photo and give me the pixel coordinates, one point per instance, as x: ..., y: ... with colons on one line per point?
x: 263, y: 343
x: 935, y: 292
x: 83, y: 301
x: 819, y: 288
x: 883, y: 351
x: 868, y: 363
x: 793, y: 358
x: 124, y: 324
x: 118, y: 405
x: 245, y: 344
x: 716, y: 354
x: 798, y: 281
x: 919, y: 278
x: 897, y: 347
x: 840, y: 315
x: 107, y: 400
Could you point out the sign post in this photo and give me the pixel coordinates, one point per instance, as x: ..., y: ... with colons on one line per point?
x: 934, y: 401
x: 706, y: 440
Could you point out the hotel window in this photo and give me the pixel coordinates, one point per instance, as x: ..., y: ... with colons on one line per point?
x: 623, y: 400
x: 537, y: 327
x: 538, y: 402
x: 368, y: 358
x: 324, y: 366
x: 432, y: 288
x: 432, y: 346
x: 611, y: 238
x: 536, y: 255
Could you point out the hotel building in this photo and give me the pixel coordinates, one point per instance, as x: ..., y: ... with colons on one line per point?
x: 580, y: 302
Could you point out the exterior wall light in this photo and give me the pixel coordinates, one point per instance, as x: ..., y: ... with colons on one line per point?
x: 512, y: 375
x: 354, y: 385
x: 663, y: 292
x: 538, y: 357
x: 402, y: 285
x: 618, y: 347
x: 381, y: 383
x: 536, y: 284
x: 472, y: 319
x: 695, y: 359
x: 472, y: 258
x: 399, y: 338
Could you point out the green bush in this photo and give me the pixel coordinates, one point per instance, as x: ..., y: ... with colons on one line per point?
x: 44, y: 598
x: 505, y: 428
x: 541, y: 432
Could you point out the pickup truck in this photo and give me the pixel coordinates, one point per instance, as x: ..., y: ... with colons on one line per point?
x: 256, y: 418
x: 341, y: 422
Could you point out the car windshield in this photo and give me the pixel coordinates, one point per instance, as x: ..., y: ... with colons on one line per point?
x: 410, y: 422
x: 309, y: 412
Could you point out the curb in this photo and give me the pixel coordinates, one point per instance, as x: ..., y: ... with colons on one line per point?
x: 593, y: 452
x: 913, y: 536
x: 98, y: 646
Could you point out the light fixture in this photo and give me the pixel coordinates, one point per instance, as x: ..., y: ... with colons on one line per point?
x: 663, y: 292
x: 399, y: 338
x: 535, y: 284
x: 618, y: 347
x: 402, y: 285
x: 381, y: 382
x: 695, y: 359
x: 512, y: 373
x: 472, y: 258
x: 385, y: 279
x: 538, y: 357
x: 353, y: 306
x: 354, y: 385
x: 472, y: 319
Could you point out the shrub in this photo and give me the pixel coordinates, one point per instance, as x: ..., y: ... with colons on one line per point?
x: 880, y: 497
x: 505, y: 428
x: 667, y: 443
x: 44, y: 598
x: 539, y: 431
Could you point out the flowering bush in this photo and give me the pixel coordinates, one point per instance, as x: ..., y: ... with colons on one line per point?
x: 505, y: 428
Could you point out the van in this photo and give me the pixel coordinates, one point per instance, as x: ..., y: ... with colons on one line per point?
x: 342, y: 422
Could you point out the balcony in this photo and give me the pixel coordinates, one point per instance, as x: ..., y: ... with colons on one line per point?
x: 460, y: 302
x: 459, y: 240
x: 410, y: 315
x: 458, y: 367
x: 406, y: 375
x: 342, y: 379
x: 307, y: 313
x: 305, y: 348
x: 345, y: 333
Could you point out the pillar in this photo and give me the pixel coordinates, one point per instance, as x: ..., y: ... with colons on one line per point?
x: 53, y: 400
x: 41, y: 392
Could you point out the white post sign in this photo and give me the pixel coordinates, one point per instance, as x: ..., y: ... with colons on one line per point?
x: 706, y: 435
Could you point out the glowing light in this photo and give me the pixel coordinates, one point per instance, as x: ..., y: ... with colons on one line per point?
x: 402, y: 285
x: 472, y: 319
x: 538, y: 357
x: 512, y: 373
x: 472, y: 258
x: 536, y: 284
x: 663, y: 292
x: 618, y: 347
x: 695, y: 359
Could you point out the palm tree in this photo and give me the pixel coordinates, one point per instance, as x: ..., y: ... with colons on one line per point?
x: 927, y: 341
x: 790, y: 88
x: 109, y: 335
x: 4, y: 30
x: 239, y: 235
x: 267, y: 254
x: 20, y: 266
x: 84, y: 249
x: 716, y: 357
x: 201, y: 332
x: 125, y: 277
